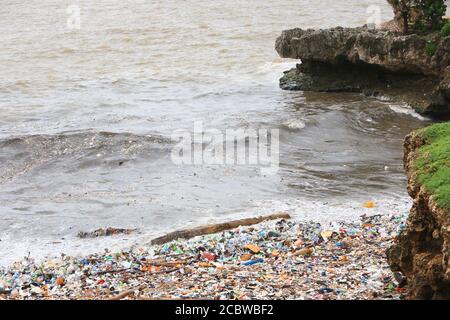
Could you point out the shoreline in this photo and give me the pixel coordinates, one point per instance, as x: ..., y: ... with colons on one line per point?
x: 301, y: 209
x: 283, y: 259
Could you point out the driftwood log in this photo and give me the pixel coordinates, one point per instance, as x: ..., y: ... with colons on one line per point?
x: 215, y: 228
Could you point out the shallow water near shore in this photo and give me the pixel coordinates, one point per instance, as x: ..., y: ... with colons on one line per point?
x: 87, y: 116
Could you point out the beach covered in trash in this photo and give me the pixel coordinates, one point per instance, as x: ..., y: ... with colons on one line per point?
x: 280, y: 259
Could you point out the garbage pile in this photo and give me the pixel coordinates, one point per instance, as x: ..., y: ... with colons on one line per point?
x: 281, y: 259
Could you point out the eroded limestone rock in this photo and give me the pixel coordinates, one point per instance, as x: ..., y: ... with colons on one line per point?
x: 422, y: 250
x: 363, y: 60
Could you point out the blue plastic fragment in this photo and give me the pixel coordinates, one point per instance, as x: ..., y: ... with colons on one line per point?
x: 252, y: 262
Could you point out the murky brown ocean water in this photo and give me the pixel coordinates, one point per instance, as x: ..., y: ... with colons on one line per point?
x: 74, y: 104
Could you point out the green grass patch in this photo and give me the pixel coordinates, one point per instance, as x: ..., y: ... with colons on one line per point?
x: 433, y: 162
x: 431, y: 48
x: 445, y: 31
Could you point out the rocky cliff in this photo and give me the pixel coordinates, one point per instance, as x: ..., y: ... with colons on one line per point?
x: 411, y: 68
x: 422, y: 249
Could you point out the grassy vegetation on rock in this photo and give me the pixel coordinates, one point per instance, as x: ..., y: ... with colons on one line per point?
x: 445, y: 31
x: 433, y: 162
